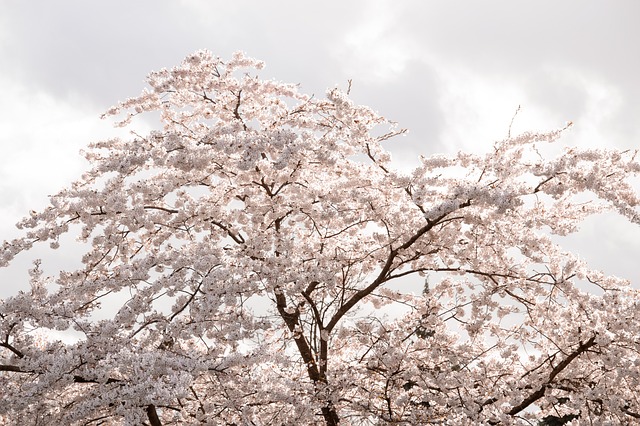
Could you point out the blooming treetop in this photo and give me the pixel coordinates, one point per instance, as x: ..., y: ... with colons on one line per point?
x: 246, y: 250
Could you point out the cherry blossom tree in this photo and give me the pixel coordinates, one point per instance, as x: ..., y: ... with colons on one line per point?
x: 245, y: 264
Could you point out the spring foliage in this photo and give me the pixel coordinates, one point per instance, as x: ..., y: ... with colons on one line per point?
x: 246, y: 261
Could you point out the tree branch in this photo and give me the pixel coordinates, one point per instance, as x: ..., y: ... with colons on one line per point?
x: 383, y: 275
x: 12, y: 368
x: 316, y: 375
x: 17, y: 352
x: 539, y: 393
x: 76, y: 378
x: 236, y: 110
x: 236, y: 236
x: 153, y: 415
x: 291, y: 320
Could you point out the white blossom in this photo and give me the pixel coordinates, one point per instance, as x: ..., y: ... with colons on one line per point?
x: 243, y: 265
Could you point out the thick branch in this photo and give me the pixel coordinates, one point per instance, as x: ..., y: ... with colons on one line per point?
x: 324, y: 336
x: 9, y: 346
x: 76, y: 379
x: 539, y: 393
x: 630, y: 413
x: 386, y: 269
x: 236, y: 236
x: 12, y: 368
x: 291, y: 320
x: 80, y: 379
x: 152, y: 414
x: 17, y: 352
x: 236, y: 110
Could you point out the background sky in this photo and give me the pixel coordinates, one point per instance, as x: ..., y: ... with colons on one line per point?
x: 452, y: 72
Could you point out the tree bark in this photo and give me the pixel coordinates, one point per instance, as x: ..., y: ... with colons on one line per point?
x: 153, y: 415
x: 317, y: 375
x: 539, y: 393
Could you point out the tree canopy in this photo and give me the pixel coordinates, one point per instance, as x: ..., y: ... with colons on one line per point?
x: 247, y: 262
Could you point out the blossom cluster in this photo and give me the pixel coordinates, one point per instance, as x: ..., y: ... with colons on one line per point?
x: 243, y: 263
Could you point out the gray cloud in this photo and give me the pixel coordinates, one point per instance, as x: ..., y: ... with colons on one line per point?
x: 103, y: 50
x: 412, y: 101
x: 535, y: 44
x: 502, y: 36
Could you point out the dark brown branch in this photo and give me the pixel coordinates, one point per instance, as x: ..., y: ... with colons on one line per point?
x: 76, y: 379
x: 630, y: 413
x: 310, y: 288
x: 539, y: 393
x: 314, y: 308
x: 164, y: 209
x: 236, y: 110
x: 152, y: 414
x: 269, y: 188
x: 537, y: 188
x: 291, y: 319
x: 383, y: 276
x: 12, y: 368
x: 9, y: 346
x: 324, y: 336
x: 80, y: 379
x: 187, y: 303
x: 207, y: 98
x: 370, y: 155
x: 236, y: 236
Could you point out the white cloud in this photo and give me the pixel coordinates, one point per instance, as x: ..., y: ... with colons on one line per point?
x: 40, y: 137
x: 478, y: 109
x: 372, y: 49
x: 592, y: 102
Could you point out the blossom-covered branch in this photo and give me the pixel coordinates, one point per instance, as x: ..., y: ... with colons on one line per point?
x: 260, y: 259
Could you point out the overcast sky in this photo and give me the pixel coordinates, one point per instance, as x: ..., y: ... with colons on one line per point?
x: 452, y: 72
